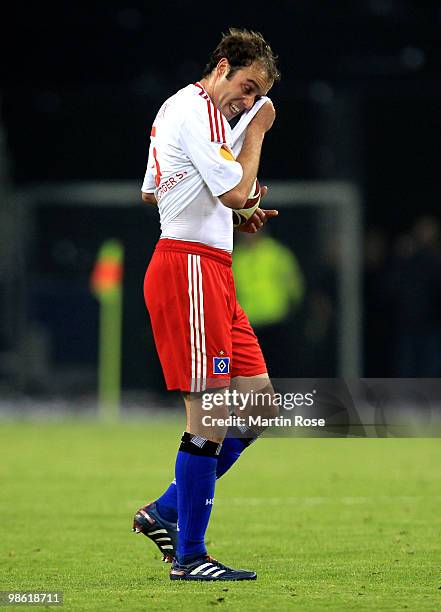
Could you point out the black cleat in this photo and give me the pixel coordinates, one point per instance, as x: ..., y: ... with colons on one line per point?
x: 163, y: 533
x: 208, y: 569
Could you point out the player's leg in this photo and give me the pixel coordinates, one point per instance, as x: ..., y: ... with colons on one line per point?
x: 188, y: 298
x: 165, y: 293
x: 248, y: 395
x: 249, y: 380
x: 207, y: 337
x: 233, y: 445
x: 199, y: 334
x: 196, y: 465
x: 249, y: 376
x: 192, y: 493
x: 197, y: 462
x: 238, y: 438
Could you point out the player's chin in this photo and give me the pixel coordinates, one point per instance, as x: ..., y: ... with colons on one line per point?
x: 229, y: 114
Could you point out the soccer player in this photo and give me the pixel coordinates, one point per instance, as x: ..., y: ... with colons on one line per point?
x: 202, y: 335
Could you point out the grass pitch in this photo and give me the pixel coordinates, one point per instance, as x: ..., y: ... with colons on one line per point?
x: 335, y: 524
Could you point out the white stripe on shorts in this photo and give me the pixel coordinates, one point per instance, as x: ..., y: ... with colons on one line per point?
x: 190, y: 295
x: 197, y: 324
x: 201, y: 310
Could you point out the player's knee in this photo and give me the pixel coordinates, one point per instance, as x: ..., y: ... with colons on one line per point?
x: 262, y: 403
x: 267, y: 406
x: 207, y: 414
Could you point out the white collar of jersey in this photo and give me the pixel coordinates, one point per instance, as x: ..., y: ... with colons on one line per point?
x: 201, y: 87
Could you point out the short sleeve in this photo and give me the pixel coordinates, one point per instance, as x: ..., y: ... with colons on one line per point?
x: 202, y: 138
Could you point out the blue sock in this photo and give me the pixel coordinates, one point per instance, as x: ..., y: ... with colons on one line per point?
x: 230, y: 453
x: 195, y: 483
x: 231, y: 450
x: 167, y: 504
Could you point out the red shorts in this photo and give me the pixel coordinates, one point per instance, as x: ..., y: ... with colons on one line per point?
x: 202, y: 335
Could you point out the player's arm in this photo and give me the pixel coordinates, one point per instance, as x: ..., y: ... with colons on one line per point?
x: 149, y: 182
x: 249, y: 157
x: 149, y: 198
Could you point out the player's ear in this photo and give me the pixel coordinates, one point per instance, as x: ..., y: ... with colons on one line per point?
x: 223, y: 67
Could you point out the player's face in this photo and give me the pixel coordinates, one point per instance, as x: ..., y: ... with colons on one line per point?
x: 236, y: 93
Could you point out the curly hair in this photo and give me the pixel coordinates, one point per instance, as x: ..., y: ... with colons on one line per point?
x: 241, y: 48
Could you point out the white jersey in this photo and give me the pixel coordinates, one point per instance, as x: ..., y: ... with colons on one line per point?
x: 190, y: 164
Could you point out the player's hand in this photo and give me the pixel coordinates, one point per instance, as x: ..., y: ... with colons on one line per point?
x: 264, y: 117
x: 259, y: 218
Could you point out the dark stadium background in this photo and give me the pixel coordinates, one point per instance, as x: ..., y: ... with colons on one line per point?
x: 359, y: 100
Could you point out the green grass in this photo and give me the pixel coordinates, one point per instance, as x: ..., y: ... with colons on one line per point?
x: 335, y: 524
